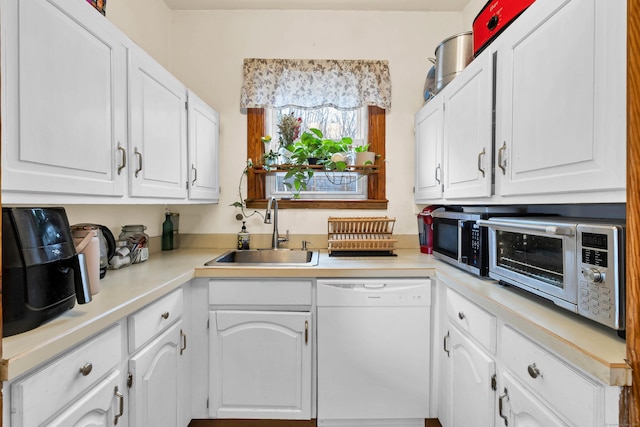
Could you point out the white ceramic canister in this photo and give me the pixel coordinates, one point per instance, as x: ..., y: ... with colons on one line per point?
x: 86, y: 239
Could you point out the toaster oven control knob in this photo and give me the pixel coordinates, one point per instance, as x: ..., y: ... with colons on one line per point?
x: 493, y: 22
x: 592, y: 275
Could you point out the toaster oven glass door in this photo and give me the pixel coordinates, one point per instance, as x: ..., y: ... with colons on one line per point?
x: 537, y: 261
x: 537, y: 257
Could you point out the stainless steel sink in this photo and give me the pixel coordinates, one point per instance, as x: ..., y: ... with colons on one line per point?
x: 266, y: 257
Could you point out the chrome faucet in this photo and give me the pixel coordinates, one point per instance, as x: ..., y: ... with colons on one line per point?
x: 275, y: 238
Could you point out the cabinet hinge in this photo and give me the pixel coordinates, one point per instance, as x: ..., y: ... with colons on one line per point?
x: 494, y: 382
x: 207, y: 323
x: 186, y: 105
x: 129, y: 380
x: 207, y: 403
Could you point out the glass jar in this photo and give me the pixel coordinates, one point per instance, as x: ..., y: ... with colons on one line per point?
x: 137, y: 241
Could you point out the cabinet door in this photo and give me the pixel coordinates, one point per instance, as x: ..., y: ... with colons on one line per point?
x: 467, y: 383
x: 101, y: 406
x: 428, y: 140
x: 158, y: 143
x: 260, y: 364
x: 518, y: 407
x: 561, y: 104
x: 468, y: 131
x: 203, y: 142
x: 64, y: 100
x: 156, y: 392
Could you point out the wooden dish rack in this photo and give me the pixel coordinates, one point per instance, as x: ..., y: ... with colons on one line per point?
x: 361, y: 234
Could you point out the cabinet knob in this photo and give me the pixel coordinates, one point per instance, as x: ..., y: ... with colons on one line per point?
x: 533, y: 370
x: 165, y: 315
x: 86, y: 369
x: 461, y: 315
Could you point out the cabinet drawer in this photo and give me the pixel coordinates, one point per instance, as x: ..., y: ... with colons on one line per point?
x: 472, y: 319
x: 274, y: 293
x: 569, y: 393
x: 43, y: 393
x: 154, y: 318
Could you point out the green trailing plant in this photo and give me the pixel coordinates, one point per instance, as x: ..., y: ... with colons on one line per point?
x: 361, y: 148
x: 242, y: 203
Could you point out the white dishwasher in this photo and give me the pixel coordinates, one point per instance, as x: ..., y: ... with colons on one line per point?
x: 373, y: 352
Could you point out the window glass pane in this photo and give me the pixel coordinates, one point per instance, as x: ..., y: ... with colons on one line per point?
x: 334, y: 124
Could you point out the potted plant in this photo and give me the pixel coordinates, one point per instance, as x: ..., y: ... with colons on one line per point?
x: 364, y: 156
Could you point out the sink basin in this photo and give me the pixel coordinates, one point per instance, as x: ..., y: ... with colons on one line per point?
x: 265, y: 257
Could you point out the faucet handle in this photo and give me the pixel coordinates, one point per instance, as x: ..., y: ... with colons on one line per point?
x: 284, y: 239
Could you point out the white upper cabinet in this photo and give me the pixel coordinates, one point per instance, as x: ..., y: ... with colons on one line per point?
x: 561, y: 86
x: 555, y: 80
x: 428, y: 140
x: 158, y: 125
x: 467, y: 131
x: 203, y: 143
x: 64, y: 100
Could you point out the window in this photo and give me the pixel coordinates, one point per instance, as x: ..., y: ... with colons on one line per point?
x: 334, y: 124
x: 311, y: 84
x: 376, y: 182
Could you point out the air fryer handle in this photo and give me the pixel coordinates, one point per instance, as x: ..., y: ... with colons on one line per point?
x: 81, y: 279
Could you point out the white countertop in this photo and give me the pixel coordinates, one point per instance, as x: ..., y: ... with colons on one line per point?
x: 588, y: 346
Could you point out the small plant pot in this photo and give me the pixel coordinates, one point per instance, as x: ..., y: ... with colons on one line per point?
x: 365, y: 158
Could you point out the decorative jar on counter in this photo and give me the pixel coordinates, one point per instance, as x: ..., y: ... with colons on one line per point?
x: 137, y: 241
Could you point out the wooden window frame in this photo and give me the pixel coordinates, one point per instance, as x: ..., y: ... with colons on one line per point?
x: 376, y: 187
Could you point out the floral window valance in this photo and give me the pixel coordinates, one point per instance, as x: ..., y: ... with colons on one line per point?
x: 315, y: 83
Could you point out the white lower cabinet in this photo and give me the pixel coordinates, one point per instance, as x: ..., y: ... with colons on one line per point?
x: 101, y: 406
x: 260, y: 365
x: 469, y: 383
x: 261, y: 349
x: 518, y: 407
x: 78, y: 389
x: 519, y: 384
x: 155, y: 373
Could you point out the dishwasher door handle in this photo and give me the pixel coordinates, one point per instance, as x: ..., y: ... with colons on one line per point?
x: 373, y: 285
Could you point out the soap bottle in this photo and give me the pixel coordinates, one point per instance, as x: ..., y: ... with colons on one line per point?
x: 167, y: 233
x: 243, y: 237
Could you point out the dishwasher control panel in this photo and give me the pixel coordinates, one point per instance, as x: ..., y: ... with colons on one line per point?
x: 374, y: 292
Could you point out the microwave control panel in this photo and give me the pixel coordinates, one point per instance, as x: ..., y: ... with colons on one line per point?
x: 600, y: 250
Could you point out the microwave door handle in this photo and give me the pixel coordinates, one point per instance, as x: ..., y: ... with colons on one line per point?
x: 547, y: 229
x: 460, y: 233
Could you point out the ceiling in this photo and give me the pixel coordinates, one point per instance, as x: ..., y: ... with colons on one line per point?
x: 389, y: 5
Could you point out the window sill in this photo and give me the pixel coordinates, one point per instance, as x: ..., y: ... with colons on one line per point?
x: 320, y: 204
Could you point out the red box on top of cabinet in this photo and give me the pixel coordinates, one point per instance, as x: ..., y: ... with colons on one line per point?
x: 493, y: 18
x: 101, y: 5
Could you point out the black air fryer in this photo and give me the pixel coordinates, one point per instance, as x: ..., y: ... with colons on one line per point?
x: 42, y: 275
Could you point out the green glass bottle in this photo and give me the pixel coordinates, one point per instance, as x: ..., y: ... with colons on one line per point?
x: 167, y: 233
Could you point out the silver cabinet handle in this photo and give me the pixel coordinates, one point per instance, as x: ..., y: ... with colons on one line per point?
x: 480, y: 156
x: 534, y: 371
x: 165, y: 315
x: 86, y: 369
x: 139, y: 156
x: 503, y: 396
x: 438, y: 172
x: 120, y: 397
x: 306, y: 332
x: 502, y: 161
x: 195, y: 174
x: 445, y: 344
x: 183, y: 336
x: 123, y: 158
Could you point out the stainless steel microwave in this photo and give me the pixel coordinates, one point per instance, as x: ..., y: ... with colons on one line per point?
x: 577, y: 263
x: 460, y: 241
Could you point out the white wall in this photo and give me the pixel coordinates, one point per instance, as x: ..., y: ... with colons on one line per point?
x: 208, y: 50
